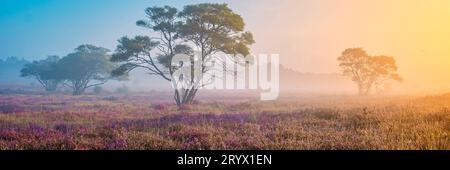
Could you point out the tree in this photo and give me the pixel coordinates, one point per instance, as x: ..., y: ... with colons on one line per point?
x: 44, y: 71
x: 368, y: 72
x: 384, y: 68
x: 210, y: 28
x: 88, y: 66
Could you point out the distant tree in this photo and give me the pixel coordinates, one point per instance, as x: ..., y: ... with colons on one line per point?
x: 10, y: 70
x: 211, y: 28
x: 384, y: 69
x: 368, y: 72
x: 44, y: 71
x: 13, y: 61
x: 88, y: 66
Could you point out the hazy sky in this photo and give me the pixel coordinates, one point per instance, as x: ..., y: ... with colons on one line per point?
x: 308, y: 34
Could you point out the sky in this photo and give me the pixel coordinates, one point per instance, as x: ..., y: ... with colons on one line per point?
x: 308, y: 34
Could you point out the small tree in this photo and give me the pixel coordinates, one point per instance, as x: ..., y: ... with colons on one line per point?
x: 88, y: 66
x: 368, y: 72
x: 210, y: 28
x: 44, y: 71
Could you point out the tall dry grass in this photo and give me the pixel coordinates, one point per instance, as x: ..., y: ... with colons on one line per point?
x: 141, y: 122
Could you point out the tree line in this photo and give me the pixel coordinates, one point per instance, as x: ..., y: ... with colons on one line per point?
x: 86, y: 67
x: 206, y: 29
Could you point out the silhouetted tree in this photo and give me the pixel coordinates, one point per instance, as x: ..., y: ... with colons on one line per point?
x: 367, y: 71
x: 211, y: 28
x: 384, y: 68
x: 44, y: 71
x: 88, y: 66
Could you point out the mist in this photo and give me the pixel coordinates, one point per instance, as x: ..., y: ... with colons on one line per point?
x: 308, y: 36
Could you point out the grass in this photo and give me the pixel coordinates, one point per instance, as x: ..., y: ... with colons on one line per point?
x: 58, y: 122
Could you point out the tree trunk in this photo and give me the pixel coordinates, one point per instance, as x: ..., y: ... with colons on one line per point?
x: 185, y: 96
x: 78, y: 91
x: 51, y: 85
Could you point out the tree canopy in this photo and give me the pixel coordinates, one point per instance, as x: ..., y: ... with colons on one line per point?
x: 86, y: 67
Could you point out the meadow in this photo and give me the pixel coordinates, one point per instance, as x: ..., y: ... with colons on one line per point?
x: 147, y: 122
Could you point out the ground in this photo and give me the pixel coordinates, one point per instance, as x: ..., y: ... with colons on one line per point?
x: 58, y: 122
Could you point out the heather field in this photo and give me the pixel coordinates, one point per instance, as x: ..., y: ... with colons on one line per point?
x: 145, y: 122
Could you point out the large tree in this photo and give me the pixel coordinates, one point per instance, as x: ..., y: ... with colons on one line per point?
x: 369, y: 72
x: 44, y: 71
x: 88, y: 66
x: 207, y: 28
